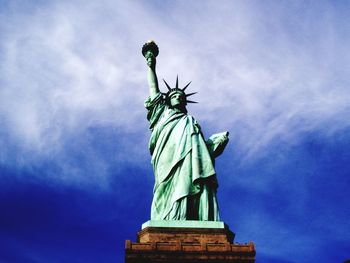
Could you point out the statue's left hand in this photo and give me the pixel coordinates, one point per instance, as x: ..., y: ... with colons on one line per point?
x: 217, y: 143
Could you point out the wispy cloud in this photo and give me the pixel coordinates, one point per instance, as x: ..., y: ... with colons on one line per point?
x: 67, y: 67
x: 72, y: 87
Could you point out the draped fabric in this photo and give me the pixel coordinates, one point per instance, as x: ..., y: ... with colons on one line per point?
x: 185, y: 181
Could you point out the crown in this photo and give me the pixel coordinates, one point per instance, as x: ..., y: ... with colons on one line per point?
x: 171, y: 91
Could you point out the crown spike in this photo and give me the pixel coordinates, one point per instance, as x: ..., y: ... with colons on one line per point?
x: 186, y: 86
x: 177, y: 82
x: 167, y: 85
x: 190, y: 101
x: 190, y: 94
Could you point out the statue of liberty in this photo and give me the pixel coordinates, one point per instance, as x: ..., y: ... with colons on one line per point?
x: 183, y: 162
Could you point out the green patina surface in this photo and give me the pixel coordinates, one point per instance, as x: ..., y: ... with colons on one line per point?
x: 184, y: 224
x: 183, y: 161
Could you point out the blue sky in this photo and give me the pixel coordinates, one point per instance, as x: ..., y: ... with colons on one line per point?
x: 76, y: 178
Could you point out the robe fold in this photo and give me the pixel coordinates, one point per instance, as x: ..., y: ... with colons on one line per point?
x: 185, y: 180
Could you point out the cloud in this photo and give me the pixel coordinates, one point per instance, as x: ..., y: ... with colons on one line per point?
x: 69, y: 67
x: 72, y: 86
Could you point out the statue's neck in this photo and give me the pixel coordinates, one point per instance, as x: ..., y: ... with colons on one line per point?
x: 181, y: 109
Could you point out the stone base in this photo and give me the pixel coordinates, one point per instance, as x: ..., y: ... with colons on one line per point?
x: 187, y: 241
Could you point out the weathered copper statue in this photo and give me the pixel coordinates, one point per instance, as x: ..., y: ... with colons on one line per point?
x: 183, y: 162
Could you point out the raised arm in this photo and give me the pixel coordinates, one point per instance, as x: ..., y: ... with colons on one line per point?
x: 152, y: 76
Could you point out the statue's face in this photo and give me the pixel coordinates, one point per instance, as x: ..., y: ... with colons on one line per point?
x: 177, y: 99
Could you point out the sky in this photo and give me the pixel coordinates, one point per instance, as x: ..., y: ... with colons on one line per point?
x: 75, y: 171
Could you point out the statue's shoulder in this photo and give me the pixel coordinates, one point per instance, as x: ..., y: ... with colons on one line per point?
x: 152, y: 102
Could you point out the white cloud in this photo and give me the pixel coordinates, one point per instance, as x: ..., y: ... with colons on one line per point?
x: 70, y: 66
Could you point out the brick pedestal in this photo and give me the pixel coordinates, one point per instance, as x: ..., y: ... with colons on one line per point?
x: 199, y: 242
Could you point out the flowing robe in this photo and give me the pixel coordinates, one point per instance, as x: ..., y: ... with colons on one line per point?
x: 185, y: 180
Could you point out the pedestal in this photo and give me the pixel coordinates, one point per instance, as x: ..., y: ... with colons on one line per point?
x: 187, y: 241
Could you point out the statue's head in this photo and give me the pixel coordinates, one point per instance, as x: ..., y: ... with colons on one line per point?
x: 177, y: 98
